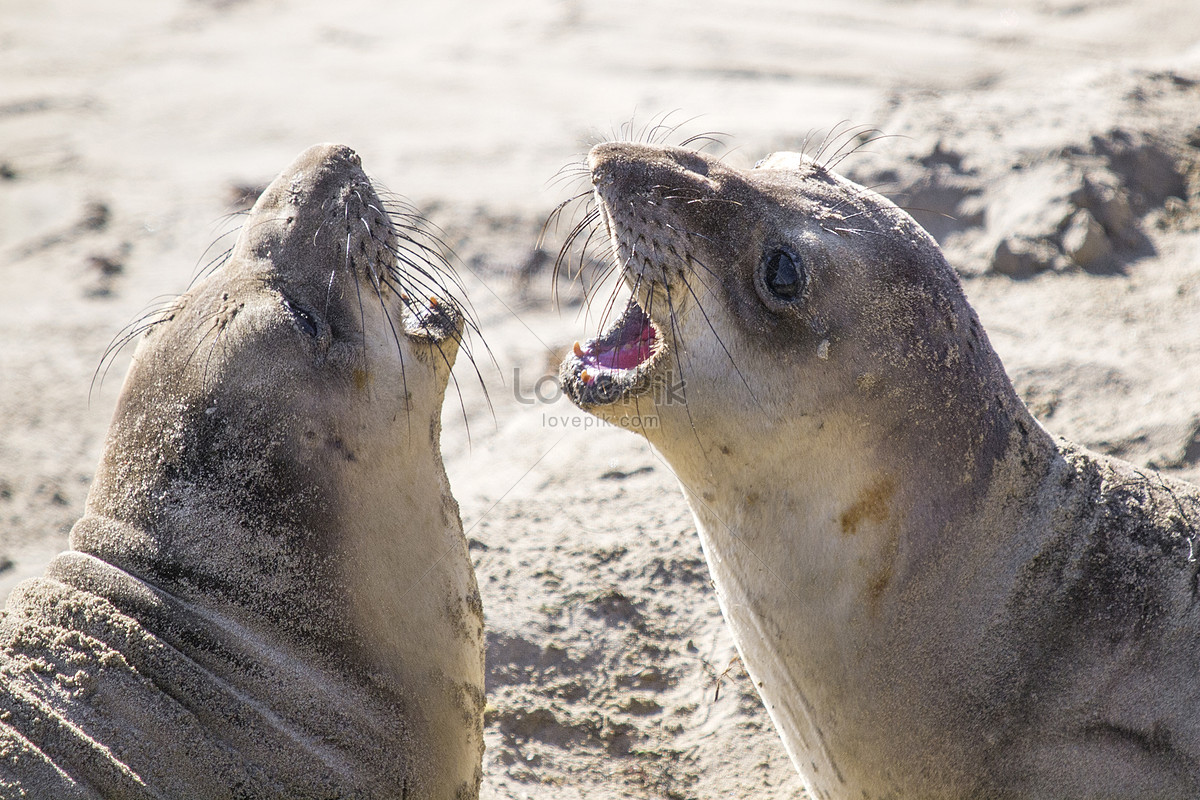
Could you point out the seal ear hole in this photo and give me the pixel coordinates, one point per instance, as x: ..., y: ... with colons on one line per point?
x: 783, y: 276
x: 304, y: 320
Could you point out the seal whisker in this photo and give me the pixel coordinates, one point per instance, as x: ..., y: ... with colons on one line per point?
x: 589, y: 294
x: 411, y: 271
x: 468, y: 325
x: 203, y: 270
x: 857, y: 198
x: 654, y: 130
x: 400, y: 353
x: 611, y: 302
x: 696, y: 261
x: 661, y: 131
x: 219, y: 322
x: 607, y: 272
x: 714, y: 200
x: 555, y: 215
x: 857, y: 231
x: 848, y: 217
x: 316, y: 236
x: 678, y: 349
x: 329, y: 291
x: 424, y: 253
x: 714, y: 138
x: 866, y: 137
x: 835, y: 138
x: 415, y: 257
x: 458, y: 391
x: 416, y: 276
x: 719, y: 340
x: 846, y: 143
x: 155, y: 314
x: 419, y: 243
x: 564, y: 254
x: 465, y: 346
x: 574, y: 171
x: 362, y: 314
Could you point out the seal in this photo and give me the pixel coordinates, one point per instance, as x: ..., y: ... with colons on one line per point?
x: 934, y: 597
x: 269, y: 594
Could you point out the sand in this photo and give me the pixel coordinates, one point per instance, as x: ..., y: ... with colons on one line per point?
x: 1053, y: 148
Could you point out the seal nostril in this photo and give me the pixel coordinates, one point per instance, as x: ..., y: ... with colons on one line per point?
x: 691, y: 161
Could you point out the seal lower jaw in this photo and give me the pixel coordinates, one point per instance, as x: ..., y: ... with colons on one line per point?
x: 436, y: 321
x: 616, y: 365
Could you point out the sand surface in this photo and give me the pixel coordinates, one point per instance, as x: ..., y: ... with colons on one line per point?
x: 1053, y: 147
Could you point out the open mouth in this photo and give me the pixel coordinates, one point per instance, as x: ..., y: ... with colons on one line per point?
x: 615, y: 364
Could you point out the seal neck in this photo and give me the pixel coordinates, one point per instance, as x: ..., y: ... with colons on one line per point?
x: 388, y: 609
x: 857, y: 491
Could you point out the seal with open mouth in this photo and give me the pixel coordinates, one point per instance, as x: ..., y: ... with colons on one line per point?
x: 933, y: 596
x: 269, y: 594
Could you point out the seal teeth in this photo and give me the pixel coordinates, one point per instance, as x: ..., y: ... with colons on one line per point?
x: 578, y: 350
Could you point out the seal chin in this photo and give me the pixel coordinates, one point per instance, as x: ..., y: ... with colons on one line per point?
x: 616, y: 365
x: 437, y: 321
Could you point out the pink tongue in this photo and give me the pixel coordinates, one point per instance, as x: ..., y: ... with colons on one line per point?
x: 627, y: 356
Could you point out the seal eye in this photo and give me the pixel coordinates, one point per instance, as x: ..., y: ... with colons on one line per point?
x: 783, y: 273
x: 305, y: 320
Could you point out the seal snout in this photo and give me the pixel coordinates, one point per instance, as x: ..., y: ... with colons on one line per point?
x: 628, y: 166
x: 322, y: 215
x: 330, y: 153
x: 325, y: 237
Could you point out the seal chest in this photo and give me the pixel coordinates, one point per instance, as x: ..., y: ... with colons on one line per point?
x: 269, y: 594
x: 934, y: 597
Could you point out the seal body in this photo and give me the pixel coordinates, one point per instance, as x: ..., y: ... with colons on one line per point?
x: 934, y: 597
x: 269, y: 594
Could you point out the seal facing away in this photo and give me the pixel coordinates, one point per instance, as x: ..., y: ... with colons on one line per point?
x: 934, y: 597
x: 269, y: 594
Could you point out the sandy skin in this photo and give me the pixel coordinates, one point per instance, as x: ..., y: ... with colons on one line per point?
x: 934, y: 597
x: 269, y: 593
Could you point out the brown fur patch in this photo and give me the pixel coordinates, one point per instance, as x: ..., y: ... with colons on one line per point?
x: 871, y: 506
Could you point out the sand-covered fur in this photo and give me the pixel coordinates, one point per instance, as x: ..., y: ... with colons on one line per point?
x: 269, y: 593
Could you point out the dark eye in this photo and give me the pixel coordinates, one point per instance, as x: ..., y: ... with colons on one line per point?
x: 783, y: 273
x: 306, y: 321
